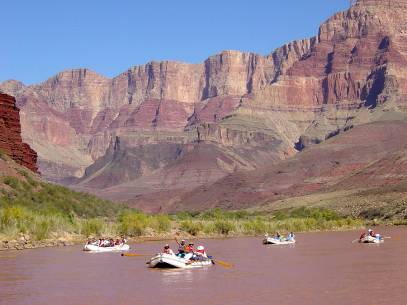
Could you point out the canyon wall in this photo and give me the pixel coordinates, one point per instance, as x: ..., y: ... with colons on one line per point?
x: 138, y: 135
x: 10, y: 134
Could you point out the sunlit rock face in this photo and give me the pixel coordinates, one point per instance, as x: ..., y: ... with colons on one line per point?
x: 236, y: 111
x: 10, y: 134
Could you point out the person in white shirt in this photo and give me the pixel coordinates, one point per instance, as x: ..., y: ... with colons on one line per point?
x: 168, y: 250
x: 200, y: 252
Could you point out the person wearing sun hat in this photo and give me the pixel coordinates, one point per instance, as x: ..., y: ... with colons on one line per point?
x: 168, y: 250
x: 189, y: 250
x: 200, y: 251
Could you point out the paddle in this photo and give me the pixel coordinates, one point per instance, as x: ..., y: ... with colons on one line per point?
x: 353, y: 241
x: 134, y: 254
x: 222, y: 263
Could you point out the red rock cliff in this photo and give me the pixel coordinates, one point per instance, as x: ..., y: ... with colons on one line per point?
x: 10, y: 134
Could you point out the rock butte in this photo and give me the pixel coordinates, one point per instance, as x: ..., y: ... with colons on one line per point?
x: 159, y: 133
x: 10, y: 134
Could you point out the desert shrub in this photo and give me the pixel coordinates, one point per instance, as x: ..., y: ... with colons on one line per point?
x: 240, y: 215
x: 29, y: 179
x: 160, y: 223
x: 224, y: 227
x: 255, y: 226
x: 17, y: 219
x: 219, y: 214
x: 372, y: 213
x: 132, y: 223
x: 306, y: 212
x: 209, y: 228
x: 93, y: 226
x: 40, y: 229
x: 48, y: 198
x: 213, y: 214
x: 191, y: 227
x: 15, y: 216
x: 12, y: 182
x: 184, y: 215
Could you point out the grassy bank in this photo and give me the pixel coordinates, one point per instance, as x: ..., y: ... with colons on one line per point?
x: 39, y: 211
x: 36, y: 210
x: 40, y: 225
x: 32, y: 211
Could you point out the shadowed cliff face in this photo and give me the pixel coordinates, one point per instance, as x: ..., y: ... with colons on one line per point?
x: 243, y: 110
x: 10, y: 134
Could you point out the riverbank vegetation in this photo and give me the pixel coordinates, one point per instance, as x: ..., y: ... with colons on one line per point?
x: 40, y: 211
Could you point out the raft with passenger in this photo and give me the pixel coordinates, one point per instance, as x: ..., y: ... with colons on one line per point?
x: 164, y: 260
x: 116, y: 248
x: 371, y: 238
x: 278, y: 240
x: 106, y: 246
x: 186, y: 258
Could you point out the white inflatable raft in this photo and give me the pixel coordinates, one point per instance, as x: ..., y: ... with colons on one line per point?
x: 163, y: 260
x: 371, y: 240
x: 276, y: 241
x: 96, y: 248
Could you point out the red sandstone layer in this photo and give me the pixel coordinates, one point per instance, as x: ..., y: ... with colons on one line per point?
x: 10, y: 134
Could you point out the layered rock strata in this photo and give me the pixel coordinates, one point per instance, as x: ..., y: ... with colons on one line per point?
x: 244, y: 110
x: 10, y: 134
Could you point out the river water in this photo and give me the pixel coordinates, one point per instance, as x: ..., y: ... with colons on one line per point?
x: 322, y: 268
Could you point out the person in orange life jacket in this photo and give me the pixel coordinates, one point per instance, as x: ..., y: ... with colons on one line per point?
x: 168, y: 250
x: 190, y: 248
x: 189, y: 251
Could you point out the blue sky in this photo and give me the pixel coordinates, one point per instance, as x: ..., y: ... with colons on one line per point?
x: 40, y: 38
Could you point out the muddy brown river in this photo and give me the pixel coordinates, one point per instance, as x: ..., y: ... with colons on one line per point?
x: 322, y: 268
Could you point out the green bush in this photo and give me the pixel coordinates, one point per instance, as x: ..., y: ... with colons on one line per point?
x: 14, y: 216
x: 191, y: 227
x: 306, y: 212
x: 93, y: 226
x: 41, y: 229
x: 184, y: 215
x: 12, y: 182
x: 224, y: 227
x: 48, y: 198
x: 133, y: 223
x: 209, y: 228
x: 161, y: 223
x: 17, y: 219
x: 256, y: 226
x: 28, y: 178
x: 213, y: 214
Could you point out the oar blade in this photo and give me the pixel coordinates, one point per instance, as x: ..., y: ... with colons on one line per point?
x: 223, y: 264
x: 133, y: 254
